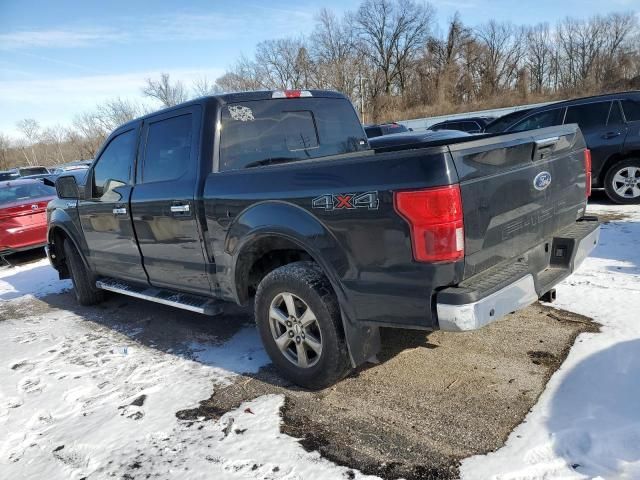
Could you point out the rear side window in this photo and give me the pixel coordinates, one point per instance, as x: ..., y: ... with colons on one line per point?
x: 631, y: 110
x: 544, y: 119
x: 615, y: 115
x: 168, y: 149
x: 588, y: 116
x: 373, y: 132
x: 113, y: 168
x: 276, y: 131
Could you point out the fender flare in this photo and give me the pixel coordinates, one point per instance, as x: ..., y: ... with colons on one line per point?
x: 60, y: 220
x: 296, y: 225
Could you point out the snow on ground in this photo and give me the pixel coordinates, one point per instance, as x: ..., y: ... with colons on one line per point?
x: 80, y: 399
x: 36, y: 279
x: 586, y: 424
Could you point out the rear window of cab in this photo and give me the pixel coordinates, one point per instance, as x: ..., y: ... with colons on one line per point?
x: 275, y: 131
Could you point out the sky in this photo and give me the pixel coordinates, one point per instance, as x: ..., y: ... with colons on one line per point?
x: 60, y: 58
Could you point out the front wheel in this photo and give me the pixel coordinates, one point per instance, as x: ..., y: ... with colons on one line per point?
x: 299, y: 321
x: 85, y: 290
x: 622, y: 182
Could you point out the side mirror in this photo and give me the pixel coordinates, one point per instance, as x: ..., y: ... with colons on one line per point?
x: 67, y: 187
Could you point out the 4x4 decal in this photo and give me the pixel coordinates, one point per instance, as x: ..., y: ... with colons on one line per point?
x: 347, y: 201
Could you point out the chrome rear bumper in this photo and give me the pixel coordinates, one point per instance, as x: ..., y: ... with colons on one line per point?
x: 512, y: 297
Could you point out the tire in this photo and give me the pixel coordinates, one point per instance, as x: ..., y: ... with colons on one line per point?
x: 314, y: 334
x: 622, y: 181
x: 86, y: 292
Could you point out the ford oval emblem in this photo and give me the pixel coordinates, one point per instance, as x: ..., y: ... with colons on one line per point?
x: 542, y: 181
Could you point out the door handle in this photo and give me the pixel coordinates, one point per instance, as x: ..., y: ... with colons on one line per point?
x: 180, y: 208
x: 120, y: 211
x: 609, y: 135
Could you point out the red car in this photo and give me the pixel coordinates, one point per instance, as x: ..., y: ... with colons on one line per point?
x: 23, y: 214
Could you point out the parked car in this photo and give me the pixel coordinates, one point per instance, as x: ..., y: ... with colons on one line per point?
x: 67, y: 167
x: 31, y: 171
x: 23, y: 218
x: 611, y: 127
x: 469, y: 125
x: 373, y: 131
x: 277, y: 198
x: 8, y: 175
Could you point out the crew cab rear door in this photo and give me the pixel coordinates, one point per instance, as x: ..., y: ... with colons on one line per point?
x: 104, y: 209
x: 163, y: 204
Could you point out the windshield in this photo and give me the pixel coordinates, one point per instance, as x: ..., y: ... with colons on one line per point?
x: 18, y: 192
x: 283, y: 130
x: 501, y: 123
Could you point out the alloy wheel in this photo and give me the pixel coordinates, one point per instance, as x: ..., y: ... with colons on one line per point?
x: 626, y: 182
x: 295, y: 330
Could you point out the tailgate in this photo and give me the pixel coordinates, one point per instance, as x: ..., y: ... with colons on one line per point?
x: 518, y: 190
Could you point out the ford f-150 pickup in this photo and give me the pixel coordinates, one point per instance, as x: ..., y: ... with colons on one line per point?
x: 278, y: 198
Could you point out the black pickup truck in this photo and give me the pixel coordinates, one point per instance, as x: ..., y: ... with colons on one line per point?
x: 277, y: 197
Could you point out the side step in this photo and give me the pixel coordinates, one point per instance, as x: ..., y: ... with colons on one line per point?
x: 186, y: 301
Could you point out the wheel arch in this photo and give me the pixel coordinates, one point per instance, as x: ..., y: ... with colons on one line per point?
x: 61, y: 228
x: 282, y: 227
x: 612, y: 160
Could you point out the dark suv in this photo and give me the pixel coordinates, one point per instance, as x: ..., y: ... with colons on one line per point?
x: 611, y: 127
x: 469, y: 125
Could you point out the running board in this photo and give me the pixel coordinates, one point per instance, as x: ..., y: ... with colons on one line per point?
x: 185, y: 301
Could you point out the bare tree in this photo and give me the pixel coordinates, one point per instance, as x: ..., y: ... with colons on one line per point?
x: 202, y: 87
x: 334, y: 50
x: 539, y: 56
x: 5, y: 145
x: 503, y: 52
x: 284, y: 63
x: 166, y: 92
x: 56, y: 137
x: 392, y: 33
x: 30, y: 128
x: 243, y: 76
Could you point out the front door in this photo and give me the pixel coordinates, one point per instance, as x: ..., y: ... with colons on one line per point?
x: 104, y: 210
x: 162, y: 202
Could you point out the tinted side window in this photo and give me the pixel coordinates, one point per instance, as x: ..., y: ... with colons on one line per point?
x: 275, y: 131
x: 631, y: 110
x: 615, y: 115
x: 548, y: 118
x: 168, y: 149
x: 470, y: 127
x: 373, y: 132
x: 113, y: 168
x: 588, y: 116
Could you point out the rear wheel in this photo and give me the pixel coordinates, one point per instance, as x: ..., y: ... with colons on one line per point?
x: 298, y: 318
x: 622, y: 182
x: 85, y: 290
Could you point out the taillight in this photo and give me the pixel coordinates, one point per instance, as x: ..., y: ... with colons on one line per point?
x: 435, y: 218
x: 587, y: 170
